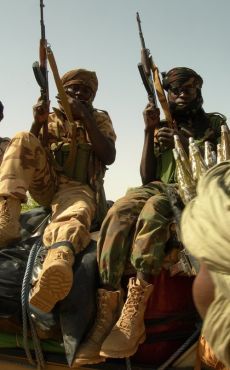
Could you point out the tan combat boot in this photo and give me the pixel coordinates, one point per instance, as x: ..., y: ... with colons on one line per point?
x: 129, y: 331
x: 108, y: 311
x: 55, y: 280
x: 10, y: 209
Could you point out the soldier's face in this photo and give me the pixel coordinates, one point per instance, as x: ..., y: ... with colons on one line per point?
x: 80, y: 91
x: 182, y: 95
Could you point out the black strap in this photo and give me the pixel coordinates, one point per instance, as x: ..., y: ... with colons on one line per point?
x: 65, y: 243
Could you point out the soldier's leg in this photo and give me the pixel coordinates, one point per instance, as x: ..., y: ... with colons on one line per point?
x: 114, y: 243
x: 116, y: 234
x: 151, y: 233
x: 73, y: 210
x: 25, y: 167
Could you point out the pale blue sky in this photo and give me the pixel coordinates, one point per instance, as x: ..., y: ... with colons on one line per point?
x: 102, y: 35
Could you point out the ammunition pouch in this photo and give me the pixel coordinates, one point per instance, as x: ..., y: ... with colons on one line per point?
x: 79, y: 169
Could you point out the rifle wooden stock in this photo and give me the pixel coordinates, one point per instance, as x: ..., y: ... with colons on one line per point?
x: 42, y: 53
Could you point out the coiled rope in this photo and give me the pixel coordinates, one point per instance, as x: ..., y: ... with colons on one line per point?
x: 26, y: 316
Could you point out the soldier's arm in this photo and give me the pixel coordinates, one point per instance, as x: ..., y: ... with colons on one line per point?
x: 148, y: 166
x: 41, y: 114
x: 102, y: 145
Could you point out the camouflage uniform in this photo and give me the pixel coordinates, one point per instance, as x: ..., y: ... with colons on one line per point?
x: 140, y: 220
x: 29, y: 166
x: 137, y: 225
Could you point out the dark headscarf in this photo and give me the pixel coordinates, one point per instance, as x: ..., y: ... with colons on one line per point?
x: 179, y: 75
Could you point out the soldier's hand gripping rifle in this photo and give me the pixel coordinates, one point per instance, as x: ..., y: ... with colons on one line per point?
x: 151, y: 79
x: 40, y: 68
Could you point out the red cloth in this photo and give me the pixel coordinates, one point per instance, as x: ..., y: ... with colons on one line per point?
x: 171, y: 296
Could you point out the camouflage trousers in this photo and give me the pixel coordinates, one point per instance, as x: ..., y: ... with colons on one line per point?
x: 27, y: 166
x: 136, y: 228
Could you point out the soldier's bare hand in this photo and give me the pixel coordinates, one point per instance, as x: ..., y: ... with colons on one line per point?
x: 165, y: 137
x: 79, y: 108
x: 151, y: 116
x: 41, y: 112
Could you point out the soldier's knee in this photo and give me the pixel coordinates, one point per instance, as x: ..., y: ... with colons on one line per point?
x: 159, y: 203
x: 25, y: 136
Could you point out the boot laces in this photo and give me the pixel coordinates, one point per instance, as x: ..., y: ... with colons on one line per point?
x: 130, y: 309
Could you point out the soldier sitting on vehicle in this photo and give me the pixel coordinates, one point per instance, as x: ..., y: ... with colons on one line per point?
x: 67, y: 176
x: 137, y: 225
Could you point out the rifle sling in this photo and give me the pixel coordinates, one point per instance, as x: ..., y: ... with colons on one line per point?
x: 70, y: 162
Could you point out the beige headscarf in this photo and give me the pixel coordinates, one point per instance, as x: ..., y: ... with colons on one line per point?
x: 205, y: 228
x: 82, y: 76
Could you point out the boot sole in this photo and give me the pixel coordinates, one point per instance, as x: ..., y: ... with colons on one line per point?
x: 120, y: 354
x: 88, y: 361
x: 53, y: 286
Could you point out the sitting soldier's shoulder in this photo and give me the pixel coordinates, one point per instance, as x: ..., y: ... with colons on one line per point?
x: 101, y: 115
x: 101, y: 111
x: 217, y: 117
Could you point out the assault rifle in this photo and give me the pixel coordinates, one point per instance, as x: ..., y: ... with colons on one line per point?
x: 145, y: 67
x: 40, y: 68
x: 151, y: 79
x: 187, y: 263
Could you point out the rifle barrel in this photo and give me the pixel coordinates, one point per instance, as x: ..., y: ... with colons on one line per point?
x: 140, y: 31
x: 43, y: 36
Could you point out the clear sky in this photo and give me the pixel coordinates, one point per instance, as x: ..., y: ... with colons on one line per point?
x: 102, y: 35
